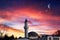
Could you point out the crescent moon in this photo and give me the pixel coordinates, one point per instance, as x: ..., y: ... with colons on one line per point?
x: 49, y: 6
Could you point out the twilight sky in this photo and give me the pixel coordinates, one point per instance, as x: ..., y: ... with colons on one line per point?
x: 43, y: 16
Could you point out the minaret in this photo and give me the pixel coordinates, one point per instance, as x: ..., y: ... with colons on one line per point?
x: 26, y: 29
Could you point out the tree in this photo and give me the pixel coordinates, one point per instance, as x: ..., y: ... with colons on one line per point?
x: 6, y: 37
x: 20, y: 37
x: 57, y: 33
x: 1, y: 34
x: 12, y: 37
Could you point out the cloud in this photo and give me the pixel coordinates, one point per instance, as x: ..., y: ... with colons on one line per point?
x: 37, y: 20
x: 11, y: 31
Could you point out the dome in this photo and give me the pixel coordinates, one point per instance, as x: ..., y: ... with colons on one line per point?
x: 32, y: 34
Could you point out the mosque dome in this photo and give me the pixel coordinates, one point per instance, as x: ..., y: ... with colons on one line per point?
x: 32, y: 35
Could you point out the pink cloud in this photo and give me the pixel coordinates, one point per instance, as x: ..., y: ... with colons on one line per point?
x: 40, y: 18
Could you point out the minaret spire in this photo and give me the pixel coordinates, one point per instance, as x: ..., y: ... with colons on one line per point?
x: 26, y: 28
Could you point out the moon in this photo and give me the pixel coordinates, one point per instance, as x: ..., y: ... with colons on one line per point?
x: 49, y: 6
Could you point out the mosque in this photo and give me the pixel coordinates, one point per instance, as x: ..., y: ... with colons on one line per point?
x: 30, y: 35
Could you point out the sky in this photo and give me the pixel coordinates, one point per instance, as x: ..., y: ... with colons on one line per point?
x: 43, y: 16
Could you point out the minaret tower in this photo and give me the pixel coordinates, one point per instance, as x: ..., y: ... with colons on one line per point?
x: 26, y: 28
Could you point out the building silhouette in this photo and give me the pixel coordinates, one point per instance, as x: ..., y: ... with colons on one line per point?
x: 26, y: 28
x: 33, y: 35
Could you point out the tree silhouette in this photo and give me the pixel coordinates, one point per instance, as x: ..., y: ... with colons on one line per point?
x: 6, y: 37
x: 1, y: 34
x: 57, y: 33
x: 1, y: 38
x: 20, y: 37
x: 12, y: 37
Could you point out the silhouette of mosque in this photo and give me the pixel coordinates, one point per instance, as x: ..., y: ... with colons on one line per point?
x: 31, y: 35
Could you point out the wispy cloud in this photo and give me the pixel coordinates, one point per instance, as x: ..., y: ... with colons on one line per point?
x: 38, y: 21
